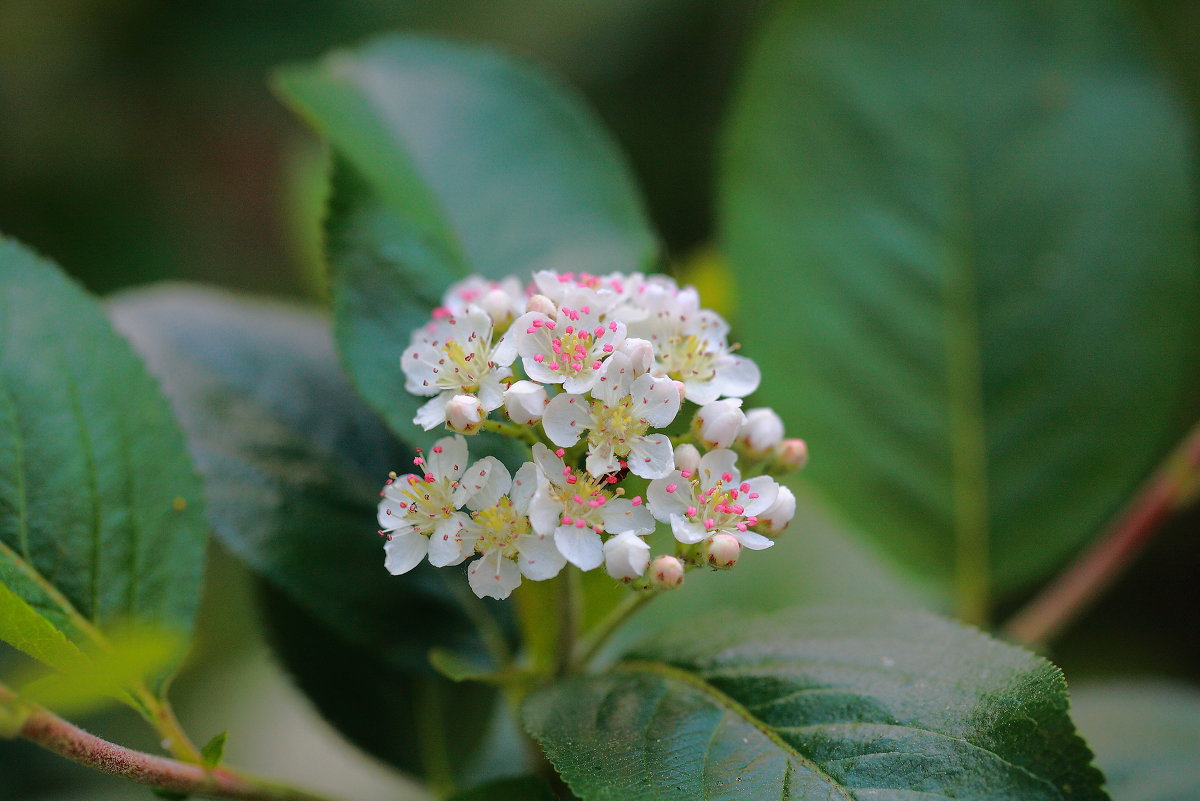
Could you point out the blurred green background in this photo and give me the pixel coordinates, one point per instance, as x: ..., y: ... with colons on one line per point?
x: 140, y: 142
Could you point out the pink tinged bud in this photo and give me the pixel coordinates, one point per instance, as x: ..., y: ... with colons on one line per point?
x: 723, y: 551
x: 525, y: 401
x: 543, y: 304
x: 464, y: 414
x: 640, y: 353
x: 498, y: 306
x: 626, y: 556
x: 687, y: 457
x: 777, y: 516
x: 666, y: 573
x: 719, y: 422
x: 792, y: 453
x: 762, y: 432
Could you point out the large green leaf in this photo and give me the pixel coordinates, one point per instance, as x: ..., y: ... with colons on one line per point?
x: 1146, y: 736
x: 453, y: 160
x: 819, y: 703
x: 965, y: 228
x: 293, y: 463
x: 101, y: 520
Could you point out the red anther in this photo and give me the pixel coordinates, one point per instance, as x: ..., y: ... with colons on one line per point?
x: 637, y: 500
x: 685, y: 473
x: 560, y: 453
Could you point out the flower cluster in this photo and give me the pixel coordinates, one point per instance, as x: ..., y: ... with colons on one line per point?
x: 593, y: 372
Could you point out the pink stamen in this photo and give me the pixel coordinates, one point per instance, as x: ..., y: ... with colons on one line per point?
x: 637, y: 500
x: 539, y: 358
x: 672, y: 487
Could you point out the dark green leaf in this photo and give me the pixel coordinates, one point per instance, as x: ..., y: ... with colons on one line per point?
x: 1146, y: 737
x: 101, y: 519
x: 453, y: 160
x: 968, y: 226
x: 293, y: 463
x: 214, y: 750
x: 528, y: 788
x: 818, y: 704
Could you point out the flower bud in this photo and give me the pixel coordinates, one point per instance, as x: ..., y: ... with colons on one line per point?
x: 687, y: 457
x: 679, y: 385
x: 525, y: 401
x: 464, y: 414
x: 499, y: 306
x: 723, y: 551
x: 762, y: 431
x: 666, y: 573
x: 626, y: 556
x: 640, y: 353
x: 777, y: 516
x: 719, y: 422
x: 792, y: 453
x: 543, y: 304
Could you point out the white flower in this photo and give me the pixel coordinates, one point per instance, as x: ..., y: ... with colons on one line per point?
x: 687, y: 457
x: 454, y: 355
x: 464, y: 414
x: 575, y: 508
x: 621, y: 410
x: 500, y: 531
x: 626, y: 556
x: 762, y: 431
x: 691, y: 345
x: 719, y: 422
x: 502, y: 300
x: 777, y: 516
x: 606, y: 291
x: 640, y: 353
x: 713, y: 500
x: 419, y: 514
x: 525, y: 402
x: 570, y: 348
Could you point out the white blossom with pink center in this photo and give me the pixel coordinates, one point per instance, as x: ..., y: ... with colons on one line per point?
x: 570, y: 348
x: 711, y: 500
x: 576, y: 508
x: 621, y: 409
x: 419, y: 513
x: 503, y: 300
x: 499, y: 531
x: 454, y: 355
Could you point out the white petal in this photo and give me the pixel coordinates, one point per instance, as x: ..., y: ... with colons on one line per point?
x: 524, y: 484
x: 581, y: 546
x: 602, y: 459
x: 626, y: 556
x: 404, y: 552
x: 552, y: 465
x: 447, y: 458
x: 433, y: 414
x: 539, y: 557
x: 715, y: 464
x: 419, y: 364
x: 738, y: 377
x: 483, y: 484
x: 652, y: 456
x: 445, y: 548
x: 752, y: 540
x: 701, y: 392
x: 540, y: 373
x: 491, y: 391
x: 767, y: 491
x: 527, y: 341
x: 390, y: 515
x: 663, y: 504
x: 544, y: 511
x: 686, y: 531
x: 621, y: 515
x: 615, y: 379
x: 580, y: 383
x: 565, y: 419
x: 656, y: 398
x: 493, y: 576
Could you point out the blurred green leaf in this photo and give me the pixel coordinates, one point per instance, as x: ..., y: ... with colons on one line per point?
x: 293, y: 463
x: 1146, y: 736
x: 817, y: 703
x: 453, y: 160
x: 963, y: 229
x: 22, y: 627
x: 101, y: 520
x: 214, y: 750
x: 528, y: 788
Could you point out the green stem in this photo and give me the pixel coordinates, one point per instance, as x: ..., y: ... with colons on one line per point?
x: 489, y: 628
x: 569, y: 611
x: 524, y: 433
x: 589, y: 646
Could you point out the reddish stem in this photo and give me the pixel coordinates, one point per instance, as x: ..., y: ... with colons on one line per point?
x: 1172, y: 487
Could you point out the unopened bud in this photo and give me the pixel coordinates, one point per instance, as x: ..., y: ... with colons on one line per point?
x: 723, y: 551
x: 626, y: 556
x: 719, y: 422
x: 464, y: 414
x: 525, y: 401
x: 762, y: 431
x: 777, y: 516
x: 682, y: 391
x: 687, y: 457
x: 543, y: 304
x: 499, y: 306
x: 666, y: 573
x: 640, y: 353
x: 792, y: 453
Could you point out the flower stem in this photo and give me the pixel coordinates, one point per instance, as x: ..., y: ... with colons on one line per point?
x: 523, y: 433
x: 162, y: 717
x: 569, y: 613
x: 51, y: 732
x: 589, y: 646
x: 1175, y: 485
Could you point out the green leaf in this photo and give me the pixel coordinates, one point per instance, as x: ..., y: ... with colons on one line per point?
x: 527, y: 788
x: 964, y: 228
x: 1146, y: 736
x: 293, y: 462
x: 820, y: 703
x: 453, y: 160
x: 101, y: 520
x: 22, y: 627
x: 214, y: 750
